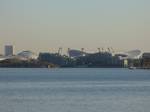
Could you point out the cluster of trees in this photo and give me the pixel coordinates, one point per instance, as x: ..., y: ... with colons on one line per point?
x: 15, y: 63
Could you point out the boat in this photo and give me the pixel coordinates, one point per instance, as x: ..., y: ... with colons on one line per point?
x: 132, y: 68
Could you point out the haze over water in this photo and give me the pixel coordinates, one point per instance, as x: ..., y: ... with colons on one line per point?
x: 74, y: 90
x: 45, y: 25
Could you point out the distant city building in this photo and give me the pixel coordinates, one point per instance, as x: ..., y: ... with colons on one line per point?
x: 8, y: 50
x: 146, y: 60
x: 146, y: 56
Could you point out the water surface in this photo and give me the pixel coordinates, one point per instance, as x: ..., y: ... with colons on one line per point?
x: 74, y: 90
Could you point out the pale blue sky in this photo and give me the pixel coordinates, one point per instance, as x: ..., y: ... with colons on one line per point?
x: 45, y: 25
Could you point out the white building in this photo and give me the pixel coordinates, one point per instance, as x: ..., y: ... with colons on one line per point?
x: 27, y: 55
x: 8, y: 50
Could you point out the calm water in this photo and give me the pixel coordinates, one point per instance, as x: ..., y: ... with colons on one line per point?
x: 74, y: 90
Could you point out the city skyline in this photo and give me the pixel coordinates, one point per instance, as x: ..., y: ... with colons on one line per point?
x: 8, y: 50
x: 47, y: 25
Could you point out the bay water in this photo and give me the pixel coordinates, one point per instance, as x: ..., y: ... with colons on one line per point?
x: 74, y: 90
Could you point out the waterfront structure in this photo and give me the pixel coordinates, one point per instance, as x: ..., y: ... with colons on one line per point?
x: 27, y: 55
x: 146, y: 55
x: 8, y: 50
x: 146, y: 60
x: 76, y: 53
x: 134, y: 54
x: 125, y: 63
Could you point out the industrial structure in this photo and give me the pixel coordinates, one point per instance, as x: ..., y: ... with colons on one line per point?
x: 104, y: 57
x: 146, y: 60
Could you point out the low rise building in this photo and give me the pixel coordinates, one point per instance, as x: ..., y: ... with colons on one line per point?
x: 146, y: 60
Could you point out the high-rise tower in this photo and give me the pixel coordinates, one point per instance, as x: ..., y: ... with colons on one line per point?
x: 8, y: 50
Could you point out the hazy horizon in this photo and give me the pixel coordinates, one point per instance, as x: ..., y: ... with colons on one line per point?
x: 46, y: 25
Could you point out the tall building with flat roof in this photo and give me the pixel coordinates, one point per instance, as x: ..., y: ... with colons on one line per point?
x: 8, y: 50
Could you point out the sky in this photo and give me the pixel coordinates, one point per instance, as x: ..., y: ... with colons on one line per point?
x: 46, y: 25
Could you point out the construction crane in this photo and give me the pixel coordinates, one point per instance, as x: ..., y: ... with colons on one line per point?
x: 82, y: 49
x: 99, y: 50
x: 112, y: 50
x: 109, y: 50
x: 102, y: 49
x: 68, y: 52
x: 60, y: 51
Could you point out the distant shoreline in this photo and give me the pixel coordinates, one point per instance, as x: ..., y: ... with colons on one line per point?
x: 77, y: 67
